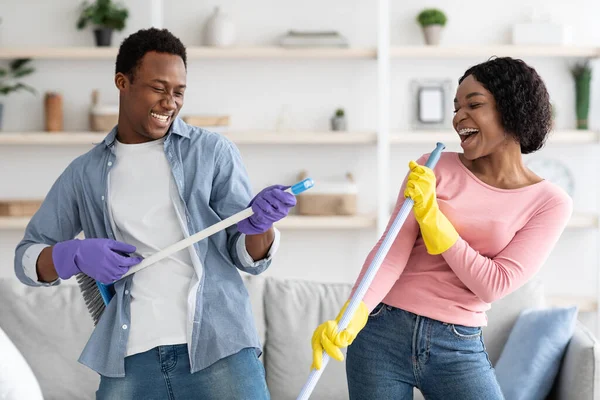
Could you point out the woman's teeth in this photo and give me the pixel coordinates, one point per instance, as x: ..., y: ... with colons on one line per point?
x: 467, y: 131
x: 160, y: 117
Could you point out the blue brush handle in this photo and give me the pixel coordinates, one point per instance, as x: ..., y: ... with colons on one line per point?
x: 369, y: 275
x: 105, y: 292
x: 302, y: 186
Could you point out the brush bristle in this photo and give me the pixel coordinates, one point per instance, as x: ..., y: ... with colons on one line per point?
x: 91, y: 295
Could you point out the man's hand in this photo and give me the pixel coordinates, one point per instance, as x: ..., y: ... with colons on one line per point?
x: 270, y: 205
x: 105, y: 260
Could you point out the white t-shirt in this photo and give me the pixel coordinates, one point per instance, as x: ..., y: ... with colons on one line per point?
x: 140, y: 200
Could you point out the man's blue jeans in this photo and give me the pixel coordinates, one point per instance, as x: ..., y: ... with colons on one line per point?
x: 164, y: 373
x: 398, y: 350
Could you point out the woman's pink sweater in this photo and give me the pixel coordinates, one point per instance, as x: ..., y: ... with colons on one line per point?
x: 506, y: 235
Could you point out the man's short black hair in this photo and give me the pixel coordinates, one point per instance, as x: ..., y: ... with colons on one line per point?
x: 135, y: 46
x: 521, y: 99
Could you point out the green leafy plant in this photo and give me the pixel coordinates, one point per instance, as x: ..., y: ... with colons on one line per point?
x: 339, y: 112
x: 431, y: 16
x: 582, y: 74
x: 103, y: 13
x: 16, y: 69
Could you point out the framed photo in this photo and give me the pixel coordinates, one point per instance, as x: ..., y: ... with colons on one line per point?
x: 432, y: 104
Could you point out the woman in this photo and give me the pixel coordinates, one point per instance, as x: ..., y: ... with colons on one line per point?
x: 481, y: 226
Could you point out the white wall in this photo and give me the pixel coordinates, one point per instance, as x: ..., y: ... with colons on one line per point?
x: 253, y: 93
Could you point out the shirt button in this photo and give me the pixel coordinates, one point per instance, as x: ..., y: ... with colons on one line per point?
x: 124, y: 326
x: 127, y: 292
x: 102, y: 198
x: 109, y: 163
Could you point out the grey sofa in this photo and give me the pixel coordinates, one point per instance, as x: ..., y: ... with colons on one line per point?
x: 50, y: 326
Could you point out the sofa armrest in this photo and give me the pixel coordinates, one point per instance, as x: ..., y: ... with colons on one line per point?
x: 579, y: 374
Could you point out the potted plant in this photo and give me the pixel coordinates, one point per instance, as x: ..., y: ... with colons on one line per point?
x: 582, y: 74
x: 432, y: 20
x: 338, y: 121
x: 8, y: 79
x: 106, y: 16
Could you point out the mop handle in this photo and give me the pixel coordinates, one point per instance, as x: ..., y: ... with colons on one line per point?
x: 211, y: 230
x: 369, y: 275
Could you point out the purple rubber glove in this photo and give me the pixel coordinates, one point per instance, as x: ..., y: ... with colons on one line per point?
x: 100, y: 259
x: 270, y: 205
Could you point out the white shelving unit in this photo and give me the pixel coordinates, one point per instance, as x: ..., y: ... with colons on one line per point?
x: 238, y: 137
x: 109, y: 53
x: 290, y: 222
x: 280, y: 53
x: 381, y: 137
x: 559, y: 137
x: 445, y: 52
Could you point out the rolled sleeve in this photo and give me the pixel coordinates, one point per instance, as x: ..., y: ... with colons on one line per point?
x: 29, y: 261
x: 247, y: 260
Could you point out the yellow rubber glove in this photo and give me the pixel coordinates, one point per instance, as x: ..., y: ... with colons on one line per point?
x: 438, y: 233
x: 327, y: 338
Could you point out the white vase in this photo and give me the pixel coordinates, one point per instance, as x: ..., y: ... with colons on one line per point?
x: 219, y: 30
x: 432, y: 34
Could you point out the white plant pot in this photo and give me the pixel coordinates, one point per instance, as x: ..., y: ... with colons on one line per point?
x: 338, y: 123
x: 433, y: 34
x: 219, y: 30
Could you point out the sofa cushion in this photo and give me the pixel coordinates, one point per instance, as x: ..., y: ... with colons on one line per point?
x: 255, y: 285
x: 293, y: 309
x: 16, y: 378
x: 504, y: 313
x: 532, y: 355
x: 50, y: 326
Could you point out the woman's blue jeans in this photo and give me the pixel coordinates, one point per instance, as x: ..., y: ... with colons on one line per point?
x: 398, y: 350
x: 163, y: 373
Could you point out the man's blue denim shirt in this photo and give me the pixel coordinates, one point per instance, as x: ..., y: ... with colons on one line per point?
x: 212, y: 184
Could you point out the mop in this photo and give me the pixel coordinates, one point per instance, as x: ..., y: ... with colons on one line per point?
x: 97, y: 295
x: 369, y: 275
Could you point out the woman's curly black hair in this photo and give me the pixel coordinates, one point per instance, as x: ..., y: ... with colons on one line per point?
x: 521, y: 99
x: 135, y: 46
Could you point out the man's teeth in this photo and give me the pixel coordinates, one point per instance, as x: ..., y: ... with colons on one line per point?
x: 163, y: 118
x: 467, y: 131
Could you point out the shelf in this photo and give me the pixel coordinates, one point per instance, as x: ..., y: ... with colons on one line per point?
x: 584, y: 303
x: 583, y: 221
x: 291, y: 137
x: 50, y: 138
x: 271, y: 52
x: 238, y: 137
x: 327, y: 222
x: 10, y: 223
x: 579, y: 221
x: 451, y: 137
x: 492, y: 50
x: 290, y: 222
x: 277, y: 52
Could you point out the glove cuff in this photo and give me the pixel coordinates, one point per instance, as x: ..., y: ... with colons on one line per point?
x: 438, y: 233
x: 63, y: 258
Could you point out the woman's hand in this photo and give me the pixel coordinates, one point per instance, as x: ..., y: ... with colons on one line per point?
x: 328, y: 338
x: 438, y: 233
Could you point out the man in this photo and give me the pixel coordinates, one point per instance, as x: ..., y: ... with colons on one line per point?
x: 182, y: 328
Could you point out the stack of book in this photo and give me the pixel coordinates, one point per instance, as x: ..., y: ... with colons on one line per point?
x: 313, y: 39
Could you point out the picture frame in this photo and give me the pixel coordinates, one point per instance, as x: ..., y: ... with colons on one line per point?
x: 432, y: 104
